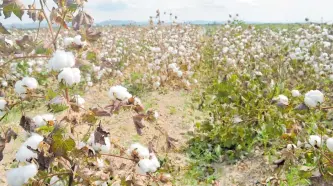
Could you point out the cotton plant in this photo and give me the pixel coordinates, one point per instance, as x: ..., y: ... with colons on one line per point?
x: 21, y: 175
x: 24, y: 154
x: 26, y: 84
x: 60, y: 60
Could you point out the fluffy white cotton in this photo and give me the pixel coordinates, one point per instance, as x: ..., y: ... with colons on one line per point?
x: 98, y: 147
x: 78, y: 100
x: 291, y: 147
x: 295, y: 93
x: 157, y: 84
x: 21, y: 86
x: 60, y: 60
x: 149, y: 165
x: 3, y: 104
x: 68, y: 41
x: 41, y: 120
x: 77, y: 40
x: 55, y: 181
x: 143, y: 152
x: 313, y: 98
x: 24, y: 154
x: 281, y: 100
x: 20, y: 176
x: 119, y: 93
x: 315, y: 140
x: 329, y: 144
x: 70, y: 76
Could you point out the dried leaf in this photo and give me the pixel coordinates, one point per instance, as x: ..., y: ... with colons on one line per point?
x: 82, y: 18
x: 99, y: 112
x: 2, y: 147
x: 26, y: 44
x: 301, y: 106
x: 27, y: 124
x: 9, y: 135
x: 138, y: 122
x: 100, y: 134
x: 92, y: 36
x: 3, y: 30
x: 32, y: 12
x: 56, y: 17
x: 279, y: 162
x: 170, y: 142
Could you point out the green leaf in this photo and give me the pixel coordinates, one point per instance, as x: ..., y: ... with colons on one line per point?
x: 61, y: 146
x: 13, y: 6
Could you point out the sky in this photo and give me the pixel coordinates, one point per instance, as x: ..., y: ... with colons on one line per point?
x: 209, y: 10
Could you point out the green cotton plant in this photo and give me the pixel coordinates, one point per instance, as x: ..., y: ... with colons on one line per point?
x: 243, y: 101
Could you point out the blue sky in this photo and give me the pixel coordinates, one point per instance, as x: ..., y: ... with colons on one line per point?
x: 212, y: 10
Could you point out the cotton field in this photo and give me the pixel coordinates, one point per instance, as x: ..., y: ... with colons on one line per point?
x: 164, y: 103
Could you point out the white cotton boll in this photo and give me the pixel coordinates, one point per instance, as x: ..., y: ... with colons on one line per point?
x: 68, y: 41
x: 143, y: 152
x: 19, y: 87
x: 326, y: 44
x: 100, y: 163
x: 237, y: 119
x: 156, y: 115
x: 41, y: 120
x: 60, y: 60
x: 77, y: 40
x: 137, y: 101
x: 90, y: 84
x: 70, y: 76
x: 100, y: 183
x: 281, y: 100
x: 295, y: 93
x: 313, y: 98
x: 149, y: 165
x: 179, y: 73
x: 24, y: 154
x: 79, y: 100
x: 99, y: 147
x: 30, y: 83
x: 315, y: 140
x: 329, y: 144
x: 4, y: 83
x: 3, y: 104
x: 157, y: 84
x: 55, y: 181
x: 291, y: 147
x: 119, y: 92
x: 20, y: 176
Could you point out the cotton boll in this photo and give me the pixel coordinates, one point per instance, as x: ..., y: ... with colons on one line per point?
x: 68, y: 41
x: 20, y: 176
x: 119, y: 92
x: 30, y: 83
x: 78, y: 100
x: 141, y: 151
x: 99, y: 147
x: 60, y: 60
x: 329, y: 144
x: 156, y: 84
x: 24, y: 154
x: 4, y: 83
x: 41, y: 120
x: 90, y: 84
x: 281, y: 100
x: 70, y: 76
x: 55, y: 181
x: 315, y: 140
x: 3, y: 104
x: 77, y: 40
x: 295, y: 93
x: 291, y: 147
x: 313, y: 98
x: 179, y: 73
x: 149, y: 165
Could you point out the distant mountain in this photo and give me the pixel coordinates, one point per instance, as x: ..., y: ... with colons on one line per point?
x: 120, y: 23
